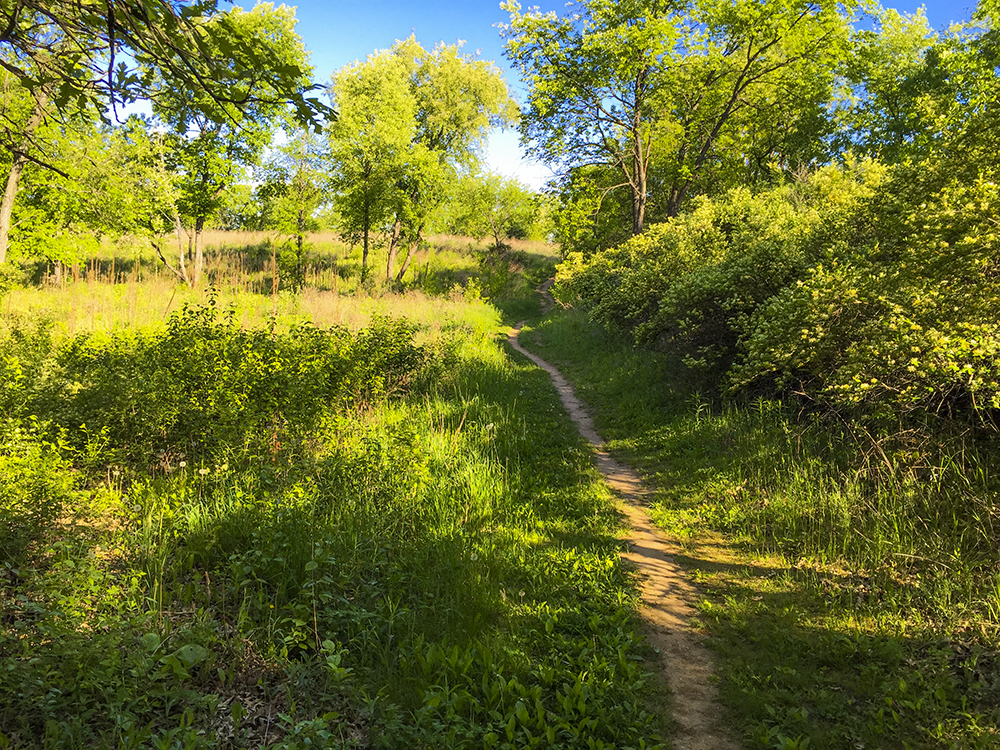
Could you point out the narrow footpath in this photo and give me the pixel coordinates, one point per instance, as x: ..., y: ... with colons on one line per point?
x: 667, y: 594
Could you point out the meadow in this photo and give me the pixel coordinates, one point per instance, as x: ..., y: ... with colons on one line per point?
x: 343, y: 514
x: 255, y: 274
x: 240, y: 517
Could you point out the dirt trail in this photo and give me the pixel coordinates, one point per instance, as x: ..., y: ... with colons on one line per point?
x: 667, y: 594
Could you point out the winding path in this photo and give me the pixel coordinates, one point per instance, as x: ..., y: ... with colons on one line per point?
x: 667, y: 594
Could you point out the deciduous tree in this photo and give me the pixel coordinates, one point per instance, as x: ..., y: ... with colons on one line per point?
x: 458, y: 99
x: 621, y: 84
x: 294, y: 181
x: 213, y: 141
x: 82, y: 53
x: 888, y: 69
x: 71, y: 57
x: 489, y: 205
x: 369, y: 143
x: 410, y: 118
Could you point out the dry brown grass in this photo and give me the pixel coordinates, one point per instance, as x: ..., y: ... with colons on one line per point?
x: 109, y: 292
x: 93, y: 306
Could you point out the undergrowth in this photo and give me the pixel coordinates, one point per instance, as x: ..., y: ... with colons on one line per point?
x: 306, y: 537
x: 854, y: 593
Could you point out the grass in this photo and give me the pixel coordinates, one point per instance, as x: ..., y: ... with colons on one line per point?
x: 386, y: 535
x: 850, y: 589
x: 112, y: 292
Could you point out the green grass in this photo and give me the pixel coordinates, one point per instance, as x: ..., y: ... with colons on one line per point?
x: 850, y: 581
x: 306, y: 537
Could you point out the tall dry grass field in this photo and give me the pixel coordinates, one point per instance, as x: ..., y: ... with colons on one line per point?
x: 247, y: 271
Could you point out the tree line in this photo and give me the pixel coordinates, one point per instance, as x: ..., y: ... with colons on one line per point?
x: 395, y: 154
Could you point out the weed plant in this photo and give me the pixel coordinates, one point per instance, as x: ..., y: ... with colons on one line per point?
x: 854, y: 597
x: 295, y: 536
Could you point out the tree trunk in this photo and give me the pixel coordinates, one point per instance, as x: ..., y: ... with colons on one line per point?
x: 181, y: 264
x: 7, y: 204
x: 180, y: 276
x: 16, y: 168
x: 299, y: 275
x: 410, y: 253
x: 199, y: 256
x: 639, y: 200
x: 390, y: 262
x: 409, y: 257
x: 496, y: 228
x: 364, y: 248
x: 638, y: 159
x: 676, y: 198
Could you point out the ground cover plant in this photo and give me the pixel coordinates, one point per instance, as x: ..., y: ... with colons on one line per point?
x: 851, y: 594
x: 293, y: 535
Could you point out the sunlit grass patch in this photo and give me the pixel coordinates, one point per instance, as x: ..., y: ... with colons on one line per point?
x: 108, y: 292
x: 850, y: 590
x: 385, y: 537
x: 103, y: 307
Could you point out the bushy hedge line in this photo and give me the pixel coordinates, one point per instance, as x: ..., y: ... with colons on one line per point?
x: 861, y: 288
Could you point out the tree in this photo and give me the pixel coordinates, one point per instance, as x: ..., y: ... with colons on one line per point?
x: 369, y: 143
x: 68, y: 57
x: 77, y: 52
x: 441, y: 105
x: 491, y: 205
x: 293, y: 182
x: 243, y: 210
x: 887, y: 71
x: 110, y: 183
x: 213, y: 141
x: 24, y: 112
x: 620, y: 84
x: 458, y: 98
x: 594, y: 78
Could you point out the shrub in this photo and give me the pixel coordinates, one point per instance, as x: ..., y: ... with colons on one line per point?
x: 205, y: 384
x: 693, y: 283
x: 35, y: 484
x: 904, y: 327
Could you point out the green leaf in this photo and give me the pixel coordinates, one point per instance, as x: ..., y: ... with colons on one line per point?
x: 191, y: 654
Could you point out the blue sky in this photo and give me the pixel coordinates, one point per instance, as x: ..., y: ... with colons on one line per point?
x: 338, y: 33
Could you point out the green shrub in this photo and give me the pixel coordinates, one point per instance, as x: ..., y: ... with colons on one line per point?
x: 35, y: 484
x: 692, y: 284
x: 906, y: 327
x: 204, y: 385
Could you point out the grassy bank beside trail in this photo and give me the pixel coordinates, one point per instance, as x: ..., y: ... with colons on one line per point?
x: 851, y: 594
x: 219, y: 536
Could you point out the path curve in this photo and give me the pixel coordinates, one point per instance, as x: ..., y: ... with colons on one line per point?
x: 667, y: 594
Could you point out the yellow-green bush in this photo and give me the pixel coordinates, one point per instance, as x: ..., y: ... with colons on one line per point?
x: 691, y: 285
x: 904, y: 325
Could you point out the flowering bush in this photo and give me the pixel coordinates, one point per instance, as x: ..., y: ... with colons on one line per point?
x: 907, y: 324
x: 859, y: 289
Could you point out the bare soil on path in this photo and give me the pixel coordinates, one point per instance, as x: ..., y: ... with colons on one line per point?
x: 668, y: 595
